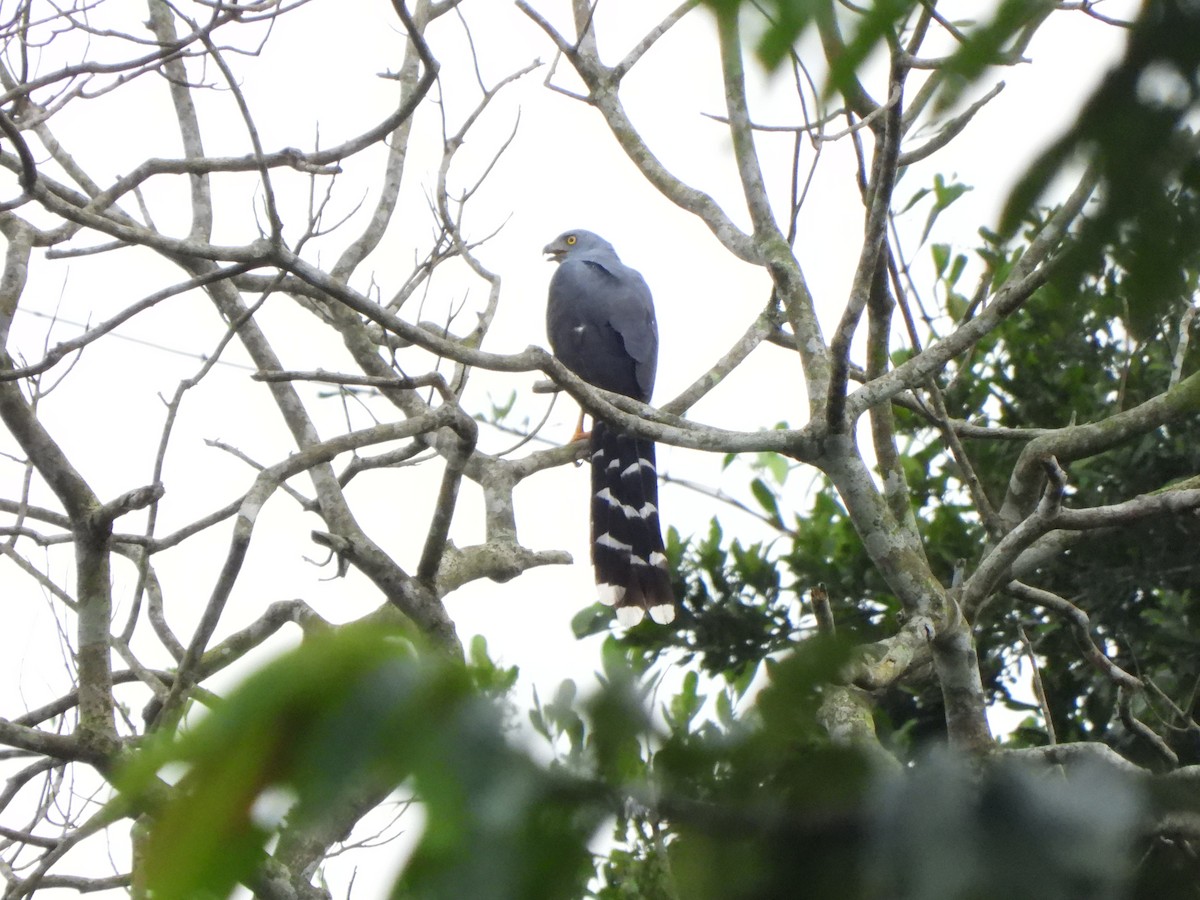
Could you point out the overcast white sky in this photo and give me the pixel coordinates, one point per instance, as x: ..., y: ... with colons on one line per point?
x: 563, y: 170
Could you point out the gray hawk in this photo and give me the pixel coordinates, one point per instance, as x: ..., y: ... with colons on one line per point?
x: 600, y: 320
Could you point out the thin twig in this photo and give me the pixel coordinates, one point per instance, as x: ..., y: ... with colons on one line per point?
x: 1039, y: 689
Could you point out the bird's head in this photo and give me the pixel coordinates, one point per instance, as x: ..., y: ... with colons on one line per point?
x: 577, y: 241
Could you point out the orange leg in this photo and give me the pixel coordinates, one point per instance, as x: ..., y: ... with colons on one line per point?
x: 580, y: 434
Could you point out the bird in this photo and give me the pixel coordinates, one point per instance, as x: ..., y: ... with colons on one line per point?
x: 601, y: 325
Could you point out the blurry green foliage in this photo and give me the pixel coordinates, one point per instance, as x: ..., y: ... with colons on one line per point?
x: 1133, y: 132
x: 993, y: 41
x: 741, y: 806
x: 361, y: 711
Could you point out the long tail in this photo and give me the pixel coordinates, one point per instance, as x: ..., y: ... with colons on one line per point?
x: 627, y: 544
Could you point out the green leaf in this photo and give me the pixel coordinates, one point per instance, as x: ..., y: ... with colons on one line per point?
x: 767, y: 500
x: 915, y: 199
x: 488, y: 677
x: 565, y: 695
x: 618, y: 722
x: 725, y: 708
x: 956, y: 270
x: 590, y: 620
x: 879, y: 23
x: 501, y: 410
x: 944, y: 196
x: 1009, y: 31
x: 685, y: 705
x: 537, y: 717
x: 776, y: 464
x: 741, y: 683
x: 941, y: 257
x: 790, y: 20
x: 956, y: 305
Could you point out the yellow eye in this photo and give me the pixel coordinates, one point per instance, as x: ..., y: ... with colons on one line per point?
x: 570, y: 239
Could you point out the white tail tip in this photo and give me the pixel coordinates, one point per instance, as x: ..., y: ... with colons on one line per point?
x: 663, y: 614
x: 629, y: 616
x: 609, y: 594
